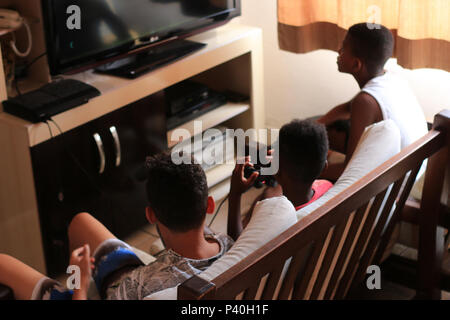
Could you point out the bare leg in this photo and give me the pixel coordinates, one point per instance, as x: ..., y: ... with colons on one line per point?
x: 84, y: 228
x: 20, y: 277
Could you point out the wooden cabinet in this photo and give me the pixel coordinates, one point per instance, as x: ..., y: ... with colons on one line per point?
x: 41, y: 184
x: 97, y: 168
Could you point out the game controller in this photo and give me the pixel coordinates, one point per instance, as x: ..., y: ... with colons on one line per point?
x: 262, y: 180
x: 268, y: 180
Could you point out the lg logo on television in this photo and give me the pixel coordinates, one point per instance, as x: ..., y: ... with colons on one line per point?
x: 74, y: 19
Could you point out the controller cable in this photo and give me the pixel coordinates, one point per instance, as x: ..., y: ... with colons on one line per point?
x: 217, y: 211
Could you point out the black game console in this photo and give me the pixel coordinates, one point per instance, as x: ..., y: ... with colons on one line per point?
x: 53, y: 98
x: 188, y: 100
x: 185, y: 95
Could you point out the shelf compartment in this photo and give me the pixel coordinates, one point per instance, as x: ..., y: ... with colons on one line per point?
x: 218, y: 174
x: 210, y: 119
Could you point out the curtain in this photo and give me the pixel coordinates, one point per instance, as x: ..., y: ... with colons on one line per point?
x: 421, y: 27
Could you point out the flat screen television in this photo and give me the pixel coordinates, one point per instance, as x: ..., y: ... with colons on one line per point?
x: 81, y: 34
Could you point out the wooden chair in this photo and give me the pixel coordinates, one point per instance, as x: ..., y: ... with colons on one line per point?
x: 326, y: 254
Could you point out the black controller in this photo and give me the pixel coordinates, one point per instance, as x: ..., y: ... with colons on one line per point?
x: 262, y: 180
x: 268, y: 180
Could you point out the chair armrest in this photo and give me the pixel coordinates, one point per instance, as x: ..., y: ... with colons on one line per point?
x: 411, y: 212
x: 6, y: 293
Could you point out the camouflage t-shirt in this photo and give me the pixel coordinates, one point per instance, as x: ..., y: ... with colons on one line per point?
x: 167, y: 271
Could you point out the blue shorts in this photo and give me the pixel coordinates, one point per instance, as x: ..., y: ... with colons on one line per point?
x: 111, y: 256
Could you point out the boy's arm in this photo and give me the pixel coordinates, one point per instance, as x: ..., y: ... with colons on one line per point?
x: 239, y: 185
x: 234, y: 223
x: 339, y: 112
x: 364, y: 111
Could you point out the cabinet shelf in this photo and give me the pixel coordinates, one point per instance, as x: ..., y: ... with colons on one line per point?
x: 210, y: 119
x: 217, y: 174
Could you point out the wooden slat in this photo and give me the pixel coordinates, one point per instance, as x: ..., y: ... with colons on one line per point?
x: 350, y: 239
x: 346, y: 280
x: 377, y: 233
x: 250, y: 293
x: 330, y: 253
x: 272, y: 283
x: 298, y: 261
x: 351, y: 243
x: 395, y: 217
x: 305, y: 277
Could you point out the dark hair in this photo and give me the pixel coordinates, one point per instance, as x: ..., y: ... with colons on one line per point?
x: 178, y: 194
x: 373, y: 46
x: 303, y: 148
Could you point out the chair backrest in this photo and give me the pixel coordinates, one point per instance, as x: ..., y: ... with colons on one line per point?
x: 328, y: 251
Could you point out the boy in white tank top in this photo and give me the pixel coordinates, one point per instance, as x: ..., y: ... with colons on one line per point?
x: 383, y: 95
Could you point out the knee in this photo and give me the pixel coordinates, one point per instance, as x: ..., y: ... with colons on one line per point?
x: 5, y: 259
x: 4, y: 256
x: 78, y: 220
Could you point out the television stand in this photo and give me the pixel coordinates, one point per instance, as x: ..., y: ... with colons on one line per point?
x: 232, y: 61
x: 155, y: 57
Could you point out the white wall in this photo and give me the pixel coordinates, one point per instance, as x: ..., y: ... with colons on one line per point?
x: 303, y: 85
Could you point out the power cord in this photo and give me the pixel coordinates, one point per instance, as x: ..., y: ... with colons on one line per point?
x: 35, y: 60
x: 25, y: 69
x: 218, y: 209
x: 61, y: 188
x: 12, y: 43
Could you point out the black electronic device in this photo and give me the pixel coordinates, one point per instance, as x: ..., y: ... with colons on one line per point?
x: 49, y: 100
x: 188, y: 100
x: 262, y: 180
x: 83, y: 34
x: 184, y: 95
x: 268, y: 180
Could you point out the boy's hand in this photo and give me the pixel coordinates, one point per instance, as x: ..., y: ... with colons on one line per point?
x: 240, y: 184
x: 81, y: 257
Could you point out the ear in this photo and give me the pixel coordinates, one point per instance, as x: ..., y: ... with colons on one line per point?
x: 211, y: 205
x: 150, y: 215
x: 357, y: 65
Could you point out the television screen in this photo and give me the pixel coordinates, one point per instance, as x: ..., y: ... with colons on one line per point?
x: 84, y: 32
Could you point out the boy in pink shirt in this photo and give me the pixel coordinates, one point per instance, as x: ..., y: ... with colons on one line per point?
x: 303, y: 149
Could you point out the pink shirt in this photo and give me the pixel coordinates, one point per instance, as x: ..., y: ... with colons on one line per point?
x: 319, y: 187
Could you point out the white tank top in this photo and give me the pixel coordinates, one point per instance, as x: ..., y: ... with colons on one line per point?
x: 398, y: 102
